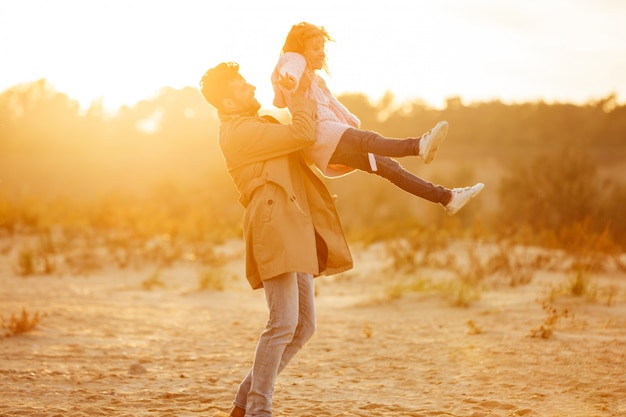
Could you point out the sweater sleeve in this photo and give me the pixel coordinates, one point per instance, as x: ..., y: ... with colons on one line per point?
x: 292, y: 65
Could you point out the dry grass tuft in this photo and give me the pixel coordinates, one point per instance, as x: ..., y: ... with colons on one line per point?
x: 153, y: 281
x: 474, y: 328
x: 553, y: 315
x: 211, y: 280
x: 20, y: 324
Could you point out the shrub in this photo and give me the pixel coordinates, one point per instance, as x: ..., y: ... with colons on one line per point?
x: 551, y: 191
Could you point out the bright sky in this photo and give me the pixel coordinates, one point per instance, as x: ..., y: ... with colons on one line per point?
x: 513, y: 50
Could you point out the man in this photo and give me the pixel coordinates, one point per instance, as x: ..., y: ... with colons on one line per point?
x: 291, y: 227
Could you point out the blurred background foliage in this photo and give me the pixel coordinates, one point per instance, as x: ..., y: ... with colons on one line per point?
x: 155, y: 170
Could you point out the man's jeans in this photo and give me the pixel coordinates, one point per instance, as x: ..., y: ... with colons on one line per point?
x: 291, y: 305
x: 354, y: 146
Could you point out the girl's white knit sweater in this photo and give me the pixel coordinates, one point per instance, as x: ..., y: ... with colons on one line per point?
x: 333, y: 118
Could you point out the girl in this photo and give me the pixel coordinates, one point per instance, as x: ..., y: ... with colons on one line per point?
x: 340, y: 146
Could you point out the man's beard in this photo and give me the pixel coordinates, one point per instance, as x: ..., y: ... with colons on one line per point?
x: 251, y: 106
x: 254, y: 106
x: 247, y: 108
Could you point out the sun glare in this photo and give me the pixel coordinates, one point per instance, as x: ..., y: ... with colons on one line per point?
x: 121, y: 52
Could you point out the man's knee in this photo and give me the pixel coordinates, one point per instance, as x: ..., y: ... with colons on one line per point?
x: 304, y: 333
x: 308, y: 330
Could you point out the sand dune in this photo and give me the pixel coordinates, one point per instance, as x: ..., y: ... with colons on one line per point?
x: 109, y: 347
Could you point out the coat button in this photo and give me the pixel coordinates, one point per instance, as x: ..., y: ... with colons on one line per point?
x: 270, y: 202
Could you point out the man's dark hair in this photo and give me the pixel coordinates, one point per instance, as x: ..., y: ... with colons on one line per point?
x: 215, y: 83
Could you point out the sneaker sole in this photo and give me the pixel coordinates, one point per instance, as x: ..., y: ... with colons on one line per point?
x: 441, y: 131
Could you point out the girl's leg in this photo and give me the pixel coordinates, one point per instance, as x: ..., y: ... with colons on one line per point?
x: 363, y: 141
x: 391, y: 170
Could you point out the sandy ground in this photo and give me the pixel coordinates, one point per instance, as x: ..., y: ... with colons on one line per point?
x: 107, y: 346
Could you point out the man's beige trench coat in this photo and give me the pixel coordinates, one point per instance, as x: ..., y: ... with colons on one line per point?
x: 290, y: 221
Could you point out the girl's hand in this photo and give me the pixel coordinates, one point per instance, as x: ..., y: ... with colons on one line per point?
x: 286, y: 81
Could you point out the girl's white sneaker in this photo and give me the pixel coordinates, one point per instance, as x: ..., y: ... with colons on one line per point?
x: 460, y: 197
x: 430, y: 141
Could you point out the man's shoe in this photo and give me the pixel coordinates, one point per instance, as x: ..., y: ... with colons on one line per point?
x: 430, y: 141
x: 460, y: 197
x: 237, y: 412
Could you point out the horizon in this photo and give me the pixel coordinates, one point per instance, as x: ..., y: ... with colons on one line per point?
x: 396, y: 104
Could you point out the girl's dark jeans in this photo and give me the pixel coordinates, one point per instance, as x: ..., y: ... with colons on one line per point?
x: 353, y: 149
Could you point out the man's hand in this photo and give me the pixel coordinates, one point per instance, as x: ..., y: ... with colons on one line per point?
x: 305, y: 83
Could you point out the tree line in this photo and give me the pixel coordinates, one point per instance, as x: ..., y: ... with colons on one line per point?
x: 558, y: 164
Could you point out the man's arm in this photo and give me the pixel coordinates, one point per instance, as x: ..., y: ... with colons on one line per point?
x: 254, y: 139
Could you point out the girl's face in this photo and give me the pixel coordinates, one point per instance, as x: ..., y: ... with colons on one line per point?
x: 314, y: 52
